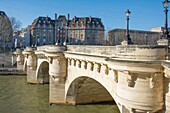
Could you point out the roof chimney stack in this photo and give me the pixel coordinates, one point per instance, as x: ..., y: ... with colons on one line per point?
x: 55, y: 16
x: 68, y: 16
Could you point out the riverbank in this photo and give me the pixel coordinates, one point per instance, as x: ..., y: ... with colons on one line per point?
x: 8, y: 64
x: 11, y: 71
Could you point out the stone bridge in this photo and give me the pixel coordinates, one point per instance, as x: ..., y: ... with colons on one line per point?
x: 137, y: 78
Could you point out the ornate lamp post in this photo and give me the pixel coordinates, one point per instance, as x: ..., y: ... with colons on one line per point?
x: 128, y: 39
x: 58, y: 39
x: 166, y: 4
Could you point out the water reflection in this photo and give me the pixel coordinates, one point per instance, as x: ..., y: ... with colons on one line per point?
x: 16, y: 96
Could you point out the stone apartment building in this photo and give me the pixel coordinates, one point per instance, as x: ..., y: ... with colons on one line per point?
x: 42, y: 31
x: 138, y: 37
x: 79, y: 30
x: 86, y: 30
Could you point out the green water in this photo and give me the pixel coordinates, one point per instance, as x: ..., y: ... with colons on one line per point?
x: 16, y: 96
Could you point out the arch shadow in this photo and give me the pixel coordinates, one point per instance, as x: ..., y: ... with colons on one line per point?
x: 42, y: 74
x: 86, y: 90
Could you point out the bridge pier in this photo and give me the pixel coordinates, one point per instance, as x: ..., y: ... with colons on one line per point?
x: 57, y: 72
x: 31, y: 64
x: 20, y: 59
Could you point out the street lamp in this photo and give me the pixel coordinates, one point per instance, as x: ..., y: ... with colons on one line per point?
x: 166, y: 4
x: 128, y: 39
x: 58, y: 39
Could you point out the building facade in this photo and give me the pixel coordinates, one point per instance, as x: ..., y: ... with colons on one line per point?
x: 86, y: 30
x: 79, y: 30
x: 42, y: 31
x: 138, y: 37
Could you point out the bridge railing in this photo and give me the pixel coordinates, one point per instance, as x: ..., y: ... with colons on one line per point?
x: 138, y: 52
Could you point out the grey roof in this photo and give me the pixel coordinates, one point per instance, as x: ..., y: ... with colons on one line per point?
x: 87, y: 20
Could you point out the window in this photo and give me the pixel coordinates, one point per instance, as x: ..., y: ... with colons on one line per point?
x: 38, y: 25
x: 76, y: 35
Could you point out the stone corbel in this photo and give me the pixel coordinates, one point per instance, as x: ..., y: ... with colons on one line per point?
x: 154, y: 80
x: 85, y: 64
x: 98, y: 67
x: 50, y: 59
x: 115, y: 76
x: 131, y: 78
x: 74, y: 62
x: 79, y: 63
x: 69, y: 61
x: 91, y: 65
x: 107, y: 70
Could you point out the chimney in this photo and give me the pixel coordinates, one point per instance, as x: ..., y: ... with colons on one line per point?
x: 55, y: 16
x: 90, y: 18
x: 74, y: 19
x: 68, y: 16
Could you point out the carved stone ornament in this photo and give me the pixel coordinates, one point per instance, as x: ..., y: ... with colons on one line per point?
x: 91, y: 65
x: 131, y: 78
x: 154, y: 80
x: 85, y: 64
x: 74, y: 62
x: 107, y: 70
x: 50, y: 59
x: 115, y: 76
x: 98, y: 67
x: 79, y: 63
x: 69, y: 61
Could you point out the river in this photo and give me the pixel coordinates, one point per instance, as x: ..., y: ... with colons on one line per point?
x: 16, y: 96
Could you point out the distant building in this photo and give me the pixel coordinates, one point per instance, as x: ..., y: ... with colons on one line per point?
x: 86, y: 30
x: 159, y: 29
x: 138, y: 37
x: 79, y: 30
x: 42, y: 31
x: 6, y: 31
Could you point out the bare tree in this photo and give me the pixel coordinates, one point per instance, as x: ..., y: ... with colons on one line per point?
x: 5, y: 30
x: 16, y: 24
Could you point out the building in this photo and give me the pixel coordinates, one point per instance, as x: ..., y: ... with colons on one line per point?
x: 61, y: 28
x: 26, y: 37
x: 42, y: 31
x: 6, y: 31
x: 138, y: 37
x: 86, y: 30
x: 79, y: 30
x: 158, y: 29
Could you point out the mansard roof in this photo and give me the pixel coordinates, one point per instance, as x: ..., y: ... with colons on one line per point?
x: 87, y: 20
x: 43, y: 20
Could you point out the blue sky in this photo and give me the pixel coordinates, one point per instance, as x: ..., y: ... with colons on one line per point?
x: 145, y: 14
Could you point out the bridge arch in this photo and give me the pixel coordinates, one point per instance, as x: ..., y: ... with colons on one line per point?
x: 85, y: 89
x: 42, y: 73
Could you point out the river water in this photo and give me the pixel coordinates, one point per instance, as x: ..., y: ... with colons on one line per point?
x: 16, y: 96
